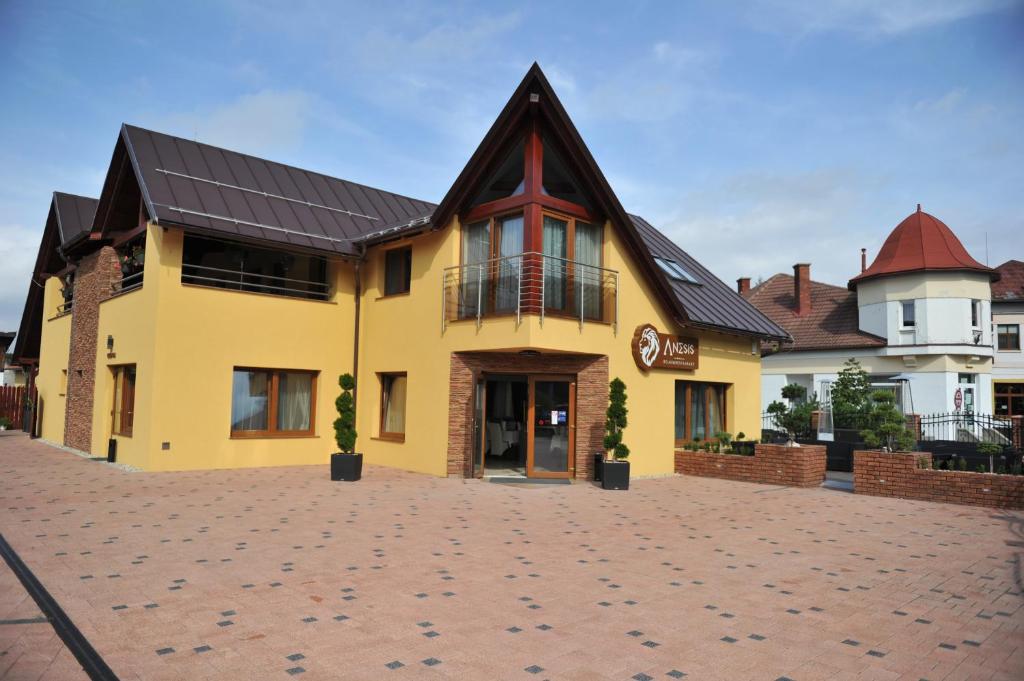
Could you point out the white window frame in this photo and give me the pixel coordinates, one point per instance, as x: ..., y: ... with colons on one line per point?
x: 903, y: 321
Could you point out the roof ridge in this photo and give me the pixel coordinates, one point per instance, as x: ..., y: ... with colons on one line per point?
x: 278, y: 163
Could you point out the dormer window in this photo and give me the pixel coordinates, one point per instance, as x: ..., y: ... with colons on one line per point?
x: 674, y: 270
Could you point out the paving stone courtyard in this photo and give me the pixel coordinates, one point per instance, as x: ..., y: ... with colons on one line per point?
x: 281, y: 574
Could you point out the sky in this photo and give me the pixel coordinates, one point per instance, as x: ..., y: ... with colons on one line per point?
x: 755, y: 134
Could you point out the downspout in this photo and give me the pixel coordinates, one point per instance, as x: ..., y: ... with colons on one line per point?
x: 355, y: 340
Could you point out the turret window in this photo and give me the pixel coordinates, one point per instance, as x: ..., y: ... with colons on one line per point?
x: 908, y: 319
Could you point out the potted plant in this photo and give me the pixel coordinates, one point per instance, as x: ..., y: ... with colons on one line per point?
x: 615, y: 474
x: 5, y: 423
x: 346, y: 464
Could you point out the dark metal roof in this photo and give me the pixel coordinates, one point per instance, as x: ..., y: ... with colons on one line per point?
x: 74, y: 215
x: 68, y: 222
x: 197, y: 185
x: 710, y: 302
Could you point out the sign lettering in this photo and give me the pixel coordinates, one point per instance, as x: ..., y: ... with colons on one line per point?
x: 653, y: 350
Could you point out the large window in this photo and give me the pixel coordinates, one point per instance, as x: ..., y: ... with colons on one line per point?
x: 700, y: 410
x: 392, y: 406
x: 239, y: 267
x: 397, y: 271
x: 494, y: 245
x: 123, y: 412
x: 1008, y: 336
x: 1009, y: 399
x: 272, y: 403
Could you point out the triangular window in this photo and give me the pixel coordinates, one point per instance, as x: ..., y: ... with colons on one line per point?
x: 507, y: 179
x: 559, y: 181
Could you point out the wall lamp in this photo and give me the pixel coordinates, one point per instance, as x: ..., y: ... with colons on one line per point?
x: 110, y: 343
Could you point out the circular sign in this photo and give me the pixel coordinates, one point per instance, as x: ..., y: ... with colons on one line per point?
x: 958, y: 399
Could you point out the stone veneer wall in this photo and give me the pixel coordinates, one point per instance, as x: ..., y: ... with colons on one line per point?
x: 95, y: 277
x: 897, y: 475
x: 802, y: 466
x: 591, y: 401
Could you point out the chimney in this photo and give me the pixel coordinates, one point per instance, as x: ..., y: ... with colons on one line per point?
x: 863, y: 259
x: 742, y: 285
x: 802, y: 288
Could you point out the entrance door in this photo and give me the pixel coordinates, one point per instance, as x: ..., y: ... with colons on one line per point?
x: 552, y: 427
x: 479, y: 410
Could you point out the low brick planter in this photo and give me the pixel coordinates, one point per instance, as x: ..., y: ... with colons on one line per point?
x: 897, y: 475
x: 802, y: 466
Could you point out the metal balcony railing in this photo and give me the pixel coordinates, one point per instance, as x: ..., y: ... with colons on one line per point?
x: 238, y: 280
x: 530, y: 284
x: 129, y: 282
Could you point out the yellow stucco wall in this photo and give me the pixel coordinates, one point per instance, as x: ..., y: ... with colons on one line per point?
x: 404, y: 333
x: 186, y: 340
x: 54, y: 344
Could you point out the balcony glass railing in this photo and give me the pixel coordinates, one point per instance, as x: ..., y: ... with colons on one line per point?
x: 252, y: 282
x: 530, y: 283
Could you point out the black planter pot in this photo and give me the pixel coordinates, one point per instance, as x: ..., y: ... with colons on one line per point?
x: 598, y: 467
x: 347, y: 467
x: 615, y: 475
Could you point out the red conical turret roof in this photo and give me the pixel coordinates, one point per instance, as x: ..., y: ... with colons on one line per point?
x: 921, y: 243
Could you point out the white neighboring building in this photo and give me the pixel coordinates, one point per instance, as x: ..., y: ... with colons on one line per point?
x: 1007, y: 322
x: 918, y: 319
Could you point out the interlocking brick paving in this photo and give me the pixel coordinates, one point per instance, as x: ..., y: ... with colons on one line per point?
x: 402, y: 576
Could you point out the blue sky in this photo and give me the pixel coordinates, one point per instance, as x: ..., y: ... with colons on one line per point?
x: 755, y: 134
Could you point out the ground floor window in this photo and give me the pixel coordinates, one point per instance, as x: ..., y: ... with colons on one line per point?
x: 272, y: 402
x: 392, y: 405
x: 699, y: 410
x: 1009, y: 399
x: 124, y: 400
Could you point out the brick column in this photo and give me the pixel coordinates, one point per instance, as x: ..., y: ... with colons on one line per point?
x: 94, y: 279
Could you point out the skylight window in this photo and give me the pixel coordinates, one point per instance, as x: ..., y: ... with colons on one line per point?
x: 674, y: 270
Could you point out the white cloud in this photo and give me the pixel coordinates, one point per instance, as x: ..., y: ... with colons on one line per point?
x: 265, y: 122
x: 867, y: 17
x: 18, y: 248
x: 944, y: 103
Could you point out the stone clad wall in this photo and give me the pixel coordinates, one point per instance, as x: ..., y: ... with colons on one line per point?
x: 802, y: 466
x: 591, y: 401
x: 897, y: 475
x: 95, y: 277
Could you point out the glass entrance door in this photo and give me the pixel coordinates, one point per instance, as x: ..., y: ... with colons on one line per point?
x: 552, y: 426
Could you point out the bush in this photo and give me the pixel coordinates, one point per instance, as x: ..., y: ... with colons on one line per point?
x: 795, y: 418
x: 990, y: 449
x: 886, y: 425
x: 615, y: 420
x: 851, y: 395
x: 5, y: 422
x: 345, y: 424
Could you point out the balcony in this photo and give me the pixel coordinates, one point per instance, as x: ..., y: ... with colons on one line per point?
x: 530, y: 284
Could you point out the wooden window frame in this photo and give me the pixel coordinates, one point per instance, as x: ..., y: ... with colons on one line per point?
x: 122, y: 416
x: 1000, y: 334
x: 383, y: 376
x: 272, y: 393
x: 407, y: 275
x: 688, y: 428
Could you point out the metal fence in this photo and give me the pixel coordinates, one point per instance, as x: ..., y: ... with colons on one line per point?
x: 530, y: 283
x: 968, y: 427
x: 252, y: 282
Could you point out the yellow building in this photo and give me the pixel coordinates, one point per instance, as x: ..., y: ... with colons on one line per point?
x: 217, y: 297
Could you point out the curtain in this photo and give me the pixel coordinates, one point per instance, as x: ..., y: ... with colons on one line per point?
x: 680, y: 410
x: 697, y: 402
x: 294, y: 396
x: 588, y: 276
x: 476, y: 247
x: 554, y: 269
x: 394, y: 406
x: 249, y: 400
x: 510, y: 244
x: 714, y: 410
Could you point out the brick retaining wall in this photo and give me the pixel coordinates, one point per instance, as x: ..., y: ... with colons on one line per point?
x: 897, y: 475
x: 802, y: 466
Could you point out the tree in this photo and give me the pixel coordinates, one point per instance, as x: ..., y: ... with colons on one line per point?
x: 851, y: 395
x: 795, y: 417
x: 887, y: 427
x: 345, y: 424
x: 615, y: 420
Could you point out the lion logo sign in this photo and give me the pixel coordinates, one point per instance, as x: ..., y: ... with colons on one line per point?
x: 649, y: 346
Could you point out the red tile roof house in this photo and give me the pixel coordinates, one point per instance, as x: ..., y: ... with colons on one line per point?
x: 1008, y: 321
x: 918, y: 319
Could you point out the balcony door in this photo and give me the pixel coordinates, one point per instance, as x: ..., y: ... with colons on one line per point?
x: 551, y: 427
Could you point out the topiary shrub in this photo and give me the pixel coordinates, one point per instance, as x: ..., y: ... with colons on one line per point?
x: 345, y: 424
x: 887, y: 427
x: 615, y: 420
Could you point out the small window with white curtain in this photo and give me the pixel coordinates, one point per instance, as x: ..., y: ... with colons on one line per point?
x: 393, y: 388
x: 273, y: 403
x: 908, y: 316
